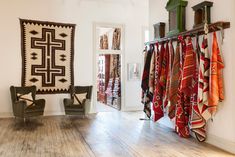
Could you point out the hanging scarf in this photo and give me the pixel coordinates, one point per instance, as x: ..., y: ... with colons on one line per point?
x: 188, y: 69
x: 158, y: 65
x: 171, y: 58
x: 164, y: 74
x: 203, y: 90
x: 174, y: 83
x: 200, y: 112
x: 145, y: 83
x: 216, y: 82
x: 158, y: 93
x: 197, y: 122
x: 182, y: 107
x: 152, y: 75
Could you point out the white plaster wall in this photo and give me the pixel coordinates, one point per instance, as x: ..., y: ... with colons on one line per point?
x: 133, y: 14
x: 221, y: 132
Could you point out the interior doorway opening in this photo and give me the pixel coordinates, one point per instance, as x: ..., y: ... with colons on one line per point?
x: 109, y: 82
x: 109, y: 67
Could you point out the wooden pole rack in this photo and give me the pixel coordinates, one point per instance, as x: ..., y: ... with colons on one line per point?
x: 220, y: 25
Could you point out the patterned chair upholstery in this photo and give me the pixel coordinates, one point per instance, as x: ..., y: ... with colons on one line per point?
x: 71, y: 108
x: 20, y: 107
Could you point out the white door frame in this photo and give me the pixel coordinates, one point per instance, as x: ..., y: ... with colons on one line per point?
x: 96, y: 52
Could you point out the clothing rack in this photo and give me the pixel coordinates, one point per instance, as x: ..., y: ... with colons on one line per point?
x: 220, y: 25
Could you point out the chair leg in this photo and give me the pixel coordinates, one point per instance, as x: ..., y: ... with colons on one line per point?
x: 68, y: 120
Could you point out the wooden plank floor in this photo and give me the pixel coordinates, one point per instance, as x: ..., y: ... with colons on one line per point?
x: 109, y: 134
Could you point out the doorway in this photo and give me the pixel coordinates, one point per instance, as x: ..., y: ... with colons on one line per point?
x: 109, y: 82
x: 108, y: 50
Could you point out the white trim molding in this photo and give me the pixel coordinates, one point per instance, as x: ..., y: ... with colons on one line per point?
x: 221, y: 143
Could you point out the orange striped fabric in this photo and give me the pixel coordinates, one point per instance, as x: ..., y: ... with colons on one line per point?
x: 216, y: 93
x: 188, y: 68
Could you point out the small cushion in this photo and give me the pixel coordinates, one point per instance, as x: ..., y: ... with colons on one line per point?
x: 26, y: 97
x: 78, y: 98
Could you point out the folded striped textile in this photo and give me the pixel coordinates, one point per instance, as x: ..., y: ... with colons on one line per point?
x: 204, y: 73
x: 169, y: 75
x: 197, y: 122
x: 188, y: 68
x: 183, y: 104
x: 216, y: 90
x: 200, y: 114
x: 174, y: 83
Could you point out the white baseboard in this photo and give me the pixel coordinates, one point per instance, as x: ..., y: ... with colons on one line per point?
x: 53, y: 113
x: 221, y: 143
x: 6, y: 114
x: 127, y: 108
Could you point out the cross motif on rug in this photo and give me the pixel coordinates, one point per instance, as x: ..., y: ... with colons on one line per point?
x: 48, y: 44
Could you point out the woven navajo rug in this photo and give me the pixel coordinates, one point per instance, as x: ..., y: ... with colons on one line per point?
x: 47, y: 55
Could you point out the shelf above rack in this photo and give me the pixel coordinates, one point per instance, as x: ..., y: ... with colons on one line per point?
x: 220, y: 25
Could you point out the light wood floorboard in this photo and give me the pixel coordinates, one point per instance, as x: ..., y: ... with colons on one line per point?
x: 108, y: 134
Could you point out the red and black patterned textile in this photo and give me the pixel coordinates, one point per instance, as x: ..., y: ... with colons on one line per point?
x: 145, y: 83
x: 174, y: 83
x: 158, y: 93
x: 183, y: 104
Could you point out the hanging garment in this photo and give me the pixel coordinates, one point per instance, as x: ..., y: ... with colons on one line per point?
x: 158, y: 65
x: 116, y: 39
x: 164, y: 74
x: 188, y: 69
x: 105, y: 42
x: 216, y: 81
x: 165, y: 69
x: 101, y: 42
x: 200, y: 113
x: 174, y: 83
x: 171, y: 58
x: 183, y: 104
x: 145, y: 83
x: 204, y: 73
x: 158, y: 93
x: 152, y: 74
x: 197, y: 122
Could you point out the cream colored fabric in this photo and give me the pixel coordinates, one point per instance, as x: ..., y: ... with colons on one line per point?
x: 78, y: 98
x: 26, y: 97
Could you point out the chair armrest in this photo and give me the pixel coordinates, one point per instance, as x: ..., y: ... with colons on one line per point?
x: 19, y: 108
x: 40, y: 102
x: 87, y: 106
x: 68, y: 101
